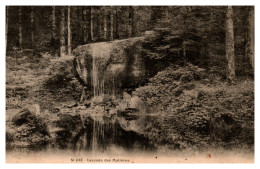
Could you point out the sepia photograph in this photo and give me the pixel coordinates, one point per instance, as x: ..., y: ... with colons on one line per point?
x: 129, y: 84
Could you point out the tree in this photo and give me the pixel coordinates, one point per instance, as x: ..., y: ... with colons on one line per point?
x: 32, y: 25
x: 130, y: 20
x: 20, y: 29
x: 62, y: 33
x: 230, y: 56
x: 134, y: 21
x: 105, y: 23
x: 69, y: 32
x: 91, y: 23
x: 99, y: 23
x: 196, y: 33
x: 112, y: 23
x: 84, y: 25
x: 53, y: 19
x: 250, y: 37
x: 117, y: 23
x: 6, y: 27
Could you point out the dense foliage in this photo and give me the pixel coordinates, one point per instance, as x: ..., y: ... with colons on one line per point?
x: 196, y: 111
x: 197, y: 35
x: 193, y: 33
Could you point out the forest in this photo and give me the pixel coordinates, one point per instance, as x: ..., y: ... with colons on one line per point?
x: 143, y: 78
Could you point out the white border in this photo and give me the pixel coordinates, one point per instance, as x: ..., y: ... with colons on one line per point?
x: 128, y: 2
x: 122, y: 2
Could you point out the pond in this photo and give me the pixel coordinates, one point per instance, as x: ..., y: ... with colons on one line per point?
x: 99, y: 133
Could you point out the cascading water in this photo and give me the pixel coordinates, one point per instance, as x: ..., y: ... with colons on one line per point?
x: 111, y: 66
x: 98, y: 69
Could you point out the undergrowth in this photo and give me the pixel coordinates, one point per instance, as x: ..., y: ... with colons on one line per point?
x: 198, y: 112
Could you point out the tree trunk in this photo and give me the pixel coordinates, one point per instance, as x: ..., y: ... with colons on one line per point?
x: 117, y: 24
x: 6, y: 27
x: 112, y: 24
x: 99, y: 25
x: 134, y: 21
x: 32, y: 26
x: 230, y: 45
x: 62, y: 33
x: 84, y: 26
x: 20, y: 29
x: 105, y: 24
x: 130, y: 21
x: 92, y: 23
x: 250, y: 37
x: 69, y: 32
x: 79, y: 25
x: 53, y: 18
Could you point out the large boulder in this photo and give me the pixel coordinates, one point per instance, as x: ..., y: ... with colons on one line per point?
x: 106, y: 67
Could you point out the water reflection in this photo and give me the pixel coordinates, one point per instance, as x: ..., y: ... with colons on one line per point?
x: 99, y: 133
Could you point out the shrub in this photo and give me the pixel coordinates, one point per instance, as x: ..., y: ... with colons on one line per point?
x: 193, y: 111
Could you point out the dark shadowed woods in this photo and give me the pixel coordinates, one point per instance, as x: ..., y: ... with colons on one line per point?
x: 138, y: 78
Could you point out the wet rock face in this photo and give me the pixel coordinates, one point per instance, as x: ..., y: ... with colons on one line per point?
x: 107, y: 67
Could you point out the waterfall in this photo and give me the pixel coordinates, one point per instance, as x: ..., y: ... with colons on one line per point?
x: 113, y: 88
x: 97, y: 82
x: 95, y: 77
x: 107, y: 66
x: 99, y: 61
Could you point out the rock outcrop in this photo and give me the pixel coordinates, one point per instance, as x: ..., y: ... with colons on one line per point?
x: 107, y: 67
